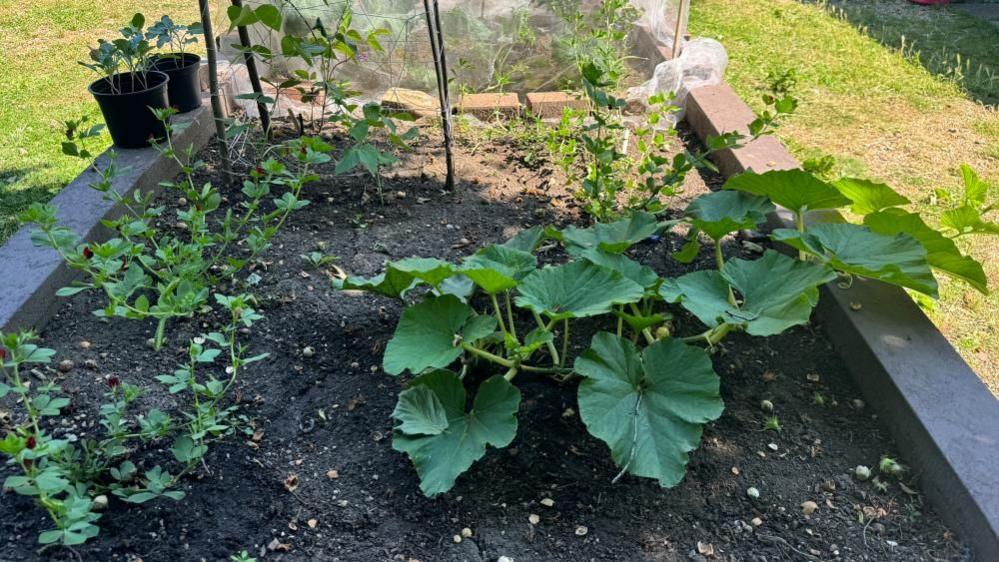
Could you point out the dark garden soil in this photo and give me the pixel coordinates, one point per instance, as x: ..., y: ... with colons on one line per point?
x: 330, y: 412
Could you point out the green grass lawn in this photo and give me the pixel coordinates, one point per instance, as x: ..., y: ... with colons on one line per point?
x: 42, y: 85
x: 904, y: 112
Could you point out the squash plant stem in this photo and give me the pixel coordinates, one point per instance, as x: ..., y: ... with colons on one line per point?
x: 499, y: 312
x: 551, y: 346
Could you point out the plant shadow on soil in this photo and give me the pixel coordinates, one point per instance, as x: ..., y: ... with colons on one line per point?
x: 331, y: 411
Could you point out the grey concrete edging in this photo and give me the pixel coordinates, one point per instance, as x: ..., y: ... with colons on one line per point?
x: 936, y: 408
x: 30, y: 275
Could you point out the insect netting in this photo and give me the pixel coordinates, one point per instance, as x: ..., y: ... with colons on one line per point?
x: 491, y: 45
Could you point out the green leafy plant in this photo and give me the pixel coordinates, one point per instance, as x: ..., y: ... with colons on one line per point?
x: 644, y: 390
x: 243, y: 556
x: 321, y: 48
x: 166, y: 32
x: 128, y: 53
x: 596, y: 37
x: 69, y: 479
x: 593, y: 149
x: 363, y: 153
x: 318, y: 259
x: 148, y: 271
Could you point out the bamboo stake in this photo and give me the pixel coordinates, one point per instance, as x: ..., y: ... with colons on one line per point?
x: 213, y: 84
x: 251, y: 70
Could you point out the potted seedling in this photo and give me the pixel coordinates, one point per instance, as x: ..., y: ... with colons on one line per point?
x: 129, y: 89
x: 182, y: 67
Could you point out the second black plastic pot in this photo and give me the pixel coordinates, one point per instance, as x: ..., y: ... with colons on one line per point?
x: 185, y: 83
x: 126, y: 101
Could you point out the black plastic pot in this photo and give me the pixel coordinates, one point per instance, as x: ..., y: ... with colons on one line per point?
x: 127, y: 107
x: 185, y: 84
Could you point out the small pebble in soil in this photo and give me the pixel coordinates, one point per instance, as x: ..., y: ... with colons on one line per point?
x: 753, y: 493
x: 858, y: 404
x: 548, y: 502
x: 457, y: 539
x: 99, y: 503
x: 84, y: 344
x: 534, y: 518
x: 856, y: 306
x: 809, y: 507
x: 813, y: 377
x: 736, y: 471
x: 66, y: 365
x: 504, y: 559
x: 862, y: 472
x: 466, y: 532
x: 767, y: 406
x: 308, y: 351
x: 581, y: 531
x: 772, y: 446
x: 90, y: 364
x: 756, y: 521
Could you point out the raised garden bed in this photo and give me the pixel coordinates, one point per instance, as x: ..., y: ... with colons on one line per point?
x: 323, y: 416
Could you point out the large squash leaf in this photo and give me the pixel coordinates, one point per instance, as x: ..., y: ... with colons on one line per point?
x: 942, y: 253
x: 498, y: 268
x: 968, y: 220
x: 629, y: 268
x: 722, y: 212
x: 400, y: 277
x: 899, y: 259
x: 392, y: 283
x: 795, y: 190
x: 615, y: 237
x: 440, y: 437
x: 649, y: 408
x: 430, y: 334
x: 431, y: 271
x: 777, y: 293
x: 867, y: 196
x: 575, y: 290
x: 526, y: 240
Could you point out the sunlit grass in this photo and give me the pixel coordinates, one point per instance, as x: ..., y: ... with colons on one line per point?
x: 42, y: 85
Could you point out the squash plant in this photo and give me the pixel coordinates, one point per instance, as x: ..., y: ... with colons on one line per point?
x: 644, y: 391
